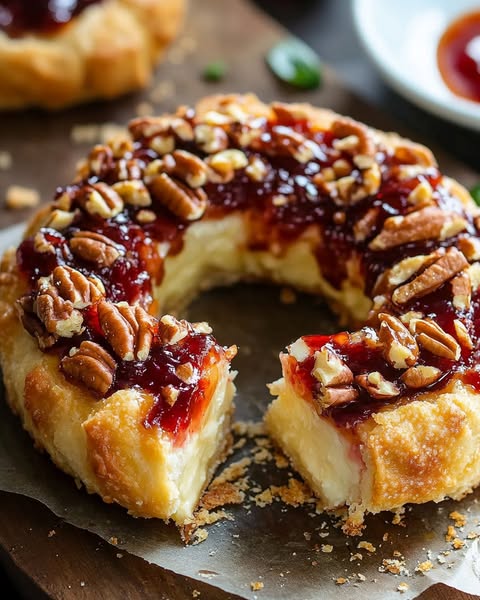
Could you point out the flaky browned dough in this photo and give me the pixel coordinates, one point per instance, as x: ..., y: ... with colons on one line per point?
x: 110, y: 49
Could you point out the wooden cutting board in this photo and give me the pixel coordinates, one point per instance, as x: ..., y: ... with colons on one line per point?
x: 72, y: 563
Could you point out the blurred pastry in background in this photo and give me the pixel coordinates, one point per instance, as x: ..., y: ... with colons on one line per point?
x: 54, y: 53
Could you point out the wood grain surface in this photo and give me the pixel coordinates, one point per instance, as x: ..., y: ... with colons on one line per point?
x: 72, y: 563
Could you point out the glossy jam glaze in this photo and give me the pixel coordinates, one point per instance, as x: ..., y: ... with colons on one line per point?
x: 458, y: 56
x: 272, y: 226
x: 20, y: 17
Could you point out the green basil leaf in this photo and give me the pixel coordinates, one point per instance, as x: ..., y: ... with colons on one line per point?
x: 475, y: 193
x: 215, y: 71
x: 295, y: 63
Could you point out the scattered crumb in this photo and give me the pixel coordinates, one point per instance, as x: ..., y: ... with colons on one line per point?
x: 402, y: 587
x: 196, y: 593
x: 451, y: 533
x: 307, y: 535
x: 341, y: 580
x: 460, y: 520
x: 457, y: 543
x: 361, y: 577
x: 293, y: 494
x: 199, y: 536
x: 262, y: 455
x: 424, y: 566
x: 119, y: 555
x: 385, y: 537
x: 222, y: 494
x: 264, y: 498
x: 5, y: 160
x: 281, y: 461
x: 366, y: 546
x: 256, y: 585
x: 398, y: 518
x: 51, y: 533
x: 287, y: 296
x: 19, y: 197
x: 250, y: 429
x: 144, y: 109
x: 113, y: 540
x: 327, y: 548
x: 82, y: 584
x: 393, y: 566
x: 356, y: 556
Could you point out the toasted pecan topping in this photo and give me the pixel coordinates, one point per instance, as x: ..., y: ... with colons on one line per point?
x: 224, y: 164
x: 182, y: 201
x: 76, y: 288
x: 185, y: 372
x: 420, y: 376
x: 148, y: 127
x: 470, y: 247
x: 187, y: 167
x: 441, y: 271
x: 169, y: 394
x: 462, y: 291
x: 171, y: 331
x: 42, y: 245
x: 133, y: 192
x: 100, y: 199
x: 129, y: 329
x: 346, y: 130
x: 427, y: 223
x: 330, y: 369
x: 100, y: 159
x: 58, y: 315
x: 377, y: 386
x: 32, y: 324
x: 399, y: 346
x: 127, y: 170
x: 59, y: 219
x: 433, y: 338
x: 210, y: 139
x: 92, y: 366
x: 95, y: 248
x: 364, y: 226
x: 335, y: 396
x: 462, y: 334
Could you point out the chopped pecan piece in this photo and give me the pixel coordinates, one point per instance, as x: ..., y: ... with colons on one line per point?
x: 364, y: 226
x: 421, y: 195
x: 462, y: 291
x: 129, y: 329
x: 256, y: 169
x: 169, y: 394
x: 345, y: 128
x: 377, y: 386
x: 182, y: 201
x: 100, y: 199
x: 441, y: 271
x: 286, y: 141
x: 462, y: 334
x: 185, y: 372
x: 330, y: 369
x: 210, y: 139
x: 171, y: 331
x: 420, y: 376
x: 187, y: 167
x: 133, y: 192
x: 335, y: 396
x: 427, y: 223
x: 470, y: 247
x: 59, y: 219
x: 127, y: 170
x: 100, y: 159
x: 32, y: 324
x: 399, y: 346
x: 434, y: 339
x: 224, y: 164
x: 92, y: 366
x: 148, y: 127
x: 75, y: 287
x: 42, y: 245
x: 96, y: 248
x: 58, y: 315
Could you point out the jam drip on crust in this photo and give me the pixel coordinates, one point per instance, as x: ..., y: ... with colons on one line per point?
x: 381, y: 217
x: 19, y: 17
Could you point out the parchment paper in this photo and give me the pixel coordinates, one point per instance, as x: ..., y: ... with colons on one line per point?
x: 278, y: 545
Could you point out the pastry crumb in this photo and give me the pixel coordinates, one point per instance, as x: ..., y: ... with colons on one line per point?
x: 51, y: 533
x: 341, y: 580
x: 451, y: 533
x: 327, y: 548
x: 199, y: 536
x: 19, y: 197
x: 402, y: 587
x: 196, y: 593
x: 424, y: 566
x: 459, y: 519
x: 457, y: 543
x: 257, y: 586
x: 113, y: 540
x: 366, y: 546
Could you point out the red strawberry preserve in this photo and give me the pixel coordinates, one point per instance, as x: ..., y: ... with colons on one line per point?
x: 20, y: 17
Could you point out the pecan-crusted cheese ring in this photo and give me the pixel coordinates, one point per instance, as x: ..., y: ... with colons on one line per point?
x: 108, y: 49
x: 236, y: 189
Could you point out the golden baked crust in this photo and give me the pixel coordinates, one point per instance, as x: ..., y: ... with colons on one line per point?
x: 109, y: 49
x: 208, y: 189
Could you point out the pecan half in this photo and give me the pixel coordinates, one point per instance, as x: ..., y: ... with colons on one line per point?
x: 441, y: 271
x: 100, y: 199
x: 377, y: 386
x: 129, y: 329
x: 182, y: 201
x: 427, y: 223
x: 420, y: 376
x: 58, y: 315
x: 96, y: 248
x: 127, y: 170
x: 76, y: 288
x: 399, y: 346
x: 330, y: 369
x: 462, y: 334
x: 92, y: 366
x: 133, y: 192
x: 434, y: 339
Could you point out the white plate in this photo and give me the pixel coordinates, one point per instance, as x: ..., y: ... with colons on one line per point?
x: 401, y: 37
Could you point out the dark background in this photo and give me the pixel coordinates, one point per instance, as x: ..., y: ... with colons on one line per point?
x: 327, y: 26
